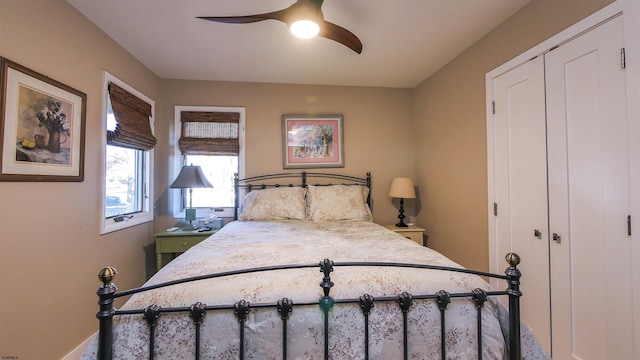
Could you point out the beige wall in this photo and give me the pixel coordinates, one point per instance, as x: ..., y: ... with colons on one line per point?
x: 377, y: 129
x: 451, y: 166
x: 50, y: 247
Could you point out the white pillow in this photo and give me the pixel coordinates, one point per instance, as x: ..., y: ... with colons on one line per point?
x: 338, y: 202
x: 275, y: 204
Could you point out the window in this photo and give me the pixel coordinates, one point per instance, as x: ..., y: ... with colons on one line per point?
x: 212, y: 138
x: 219, y: 171
x: 124, y: 181
x: 128, y: 118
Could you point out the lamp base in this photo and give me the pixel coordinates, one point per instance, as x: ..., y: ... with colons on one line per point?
x: 188, y: 227
x: 189, y: 215
x: 401, y: 215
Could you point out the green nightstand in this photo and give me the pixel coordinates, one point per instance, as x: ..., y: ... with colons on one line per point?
x: 176, y: 242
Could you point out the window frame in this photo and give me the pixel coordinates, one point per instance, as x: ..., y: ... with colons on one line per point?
x: 177, y: 161
x: 108, y: 225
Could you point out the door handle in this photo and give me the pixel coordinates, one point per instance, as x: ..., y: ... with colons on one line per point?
x: 537, y: 233
x: 556, y: 238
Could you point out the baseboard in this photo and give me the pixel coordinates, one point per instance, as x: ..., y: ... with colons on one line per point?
x: 77, y: 352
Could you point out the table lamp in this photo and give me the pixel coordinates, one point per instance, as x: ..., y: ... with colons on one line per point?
x: 402, y: 187
x: 190, y: 177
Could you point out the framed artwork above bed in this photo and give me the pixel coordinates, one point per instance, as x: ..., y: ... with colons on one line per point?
x: 312, y: 141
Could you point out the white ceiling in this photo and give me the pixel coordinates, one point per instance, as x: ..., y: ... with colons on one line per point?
x: 404, y: 41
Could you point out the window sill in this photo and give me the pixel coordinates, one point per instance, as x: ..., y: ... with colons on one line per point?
x: 110, y: 225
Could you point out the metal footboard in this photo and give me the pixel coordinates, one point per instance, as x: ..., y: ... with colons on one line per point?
x: 107, y: 293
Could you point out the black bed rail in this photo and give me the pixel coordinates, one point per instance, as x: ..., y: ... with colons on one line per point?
x: 302, y: 179
x: 107, y: 293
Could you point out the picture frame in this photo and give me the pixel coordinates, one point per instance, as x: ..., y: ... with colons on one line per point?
x: 312, y: 141
x: 42, y: 127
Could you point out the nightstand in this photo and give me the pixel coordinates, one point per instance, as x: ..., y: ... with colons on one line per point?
x: 176, y: 242
x: 412, y: 232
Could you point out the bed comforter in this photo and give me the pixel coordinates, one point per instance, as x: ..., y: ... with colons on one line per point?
x: 246, y: 244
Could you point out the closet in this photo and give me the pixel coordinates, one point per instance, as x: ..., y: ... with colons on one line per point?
x: 559, y: 172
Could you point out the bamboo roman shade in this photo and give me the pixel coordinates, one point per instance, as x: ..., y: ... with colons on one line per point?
x: 132, y: 115
x: 209, y: 133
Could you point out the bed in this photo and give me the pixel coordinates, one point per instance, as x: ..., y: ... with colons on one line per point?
x: 304, y: 273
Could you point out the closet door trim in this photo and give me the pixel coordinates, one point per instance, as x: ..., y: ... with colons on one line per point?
x: 571, y: 32
x: 631, y: 10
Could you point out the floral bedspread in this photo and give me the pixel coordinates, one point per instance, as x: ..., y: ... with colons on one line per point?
x: 247, y: 244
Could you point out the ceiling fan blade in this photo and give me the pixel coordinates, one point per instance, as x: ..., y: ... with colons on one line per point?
x: 275, y: 15
x: 341, y: 35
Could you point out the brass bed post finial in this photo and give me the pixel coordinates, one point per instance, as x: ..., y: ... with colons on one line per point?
x: 513, y: 259
x: 106, y: 293
x: 106, y: 275
x: 513, y: 281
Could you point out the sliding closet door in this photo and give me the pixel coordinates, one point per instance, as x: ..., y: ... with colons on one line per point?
x: 521, y: 187
x: 589, y: 197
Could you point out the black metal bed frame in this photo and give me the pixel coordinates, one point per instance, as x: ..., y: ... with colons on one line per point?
x: 107, y: 293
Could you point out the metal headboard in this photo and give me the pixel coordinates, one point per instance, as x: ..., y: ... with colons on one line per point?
x: 295, y: 179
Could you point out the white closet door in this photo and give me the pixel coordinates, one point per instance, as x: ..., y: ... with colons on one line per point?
x: 521, y: 187
x: 589, y: 197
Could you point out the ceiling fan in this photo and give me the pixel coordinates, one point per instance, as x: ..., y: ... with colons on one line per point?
x: 305, y: 16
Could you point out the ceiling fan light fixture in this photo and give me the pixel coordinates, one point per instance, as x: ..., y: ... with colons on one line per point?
x: 304, y: 19
x: 304, y: 28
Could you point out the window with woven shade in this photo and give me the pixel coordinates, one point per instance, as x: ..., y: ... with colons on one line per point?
x: 212, y: 138
x: 209, y: 133
x: 128, y: 156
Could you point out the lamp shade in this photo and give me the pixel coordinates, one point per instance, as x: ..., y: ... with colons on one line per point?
x: 191, y: 176
x: 402, y: 187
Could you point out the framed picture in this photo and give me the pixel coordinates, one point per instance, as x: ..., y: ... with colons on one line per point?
x: 42, y: 125
x: 312, y: 141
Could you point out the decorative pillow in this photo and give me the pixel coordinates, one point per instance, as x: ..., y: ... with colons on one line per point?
x: 338, y: 202
x: 275, y: 204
